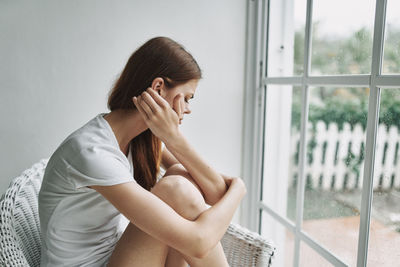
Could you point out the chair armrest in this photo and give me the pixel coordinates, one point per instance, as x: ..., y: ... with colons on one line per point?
x: 243, y: 247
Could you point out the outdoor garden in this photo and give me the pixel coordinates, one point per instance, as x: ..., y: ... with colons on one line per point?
x: 336, y: 144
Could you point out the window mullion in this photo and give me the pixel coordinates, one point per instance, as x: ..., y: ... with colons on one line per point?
x: 391, y: 81
x: 260, y: 104
x: 253, y: 124
x: 303, y: 133
x: 372, y: 124
x: 332, y: 80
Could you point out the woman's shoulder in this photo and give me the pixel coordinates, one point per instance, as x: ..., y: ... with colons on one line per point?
x: 92, y: 153
x: 94, y: 138
x: 94, y: 132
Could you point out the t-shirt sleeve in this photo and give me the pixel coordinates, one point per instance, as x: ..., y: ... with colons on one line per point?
x: 97, y: 166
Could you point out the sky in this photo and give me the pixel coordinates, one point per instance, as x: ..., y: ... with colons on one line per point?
x: 342, y: 17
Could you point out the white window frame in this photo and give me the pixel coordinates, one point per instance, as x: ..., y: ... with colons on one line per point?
x: 254, y: 113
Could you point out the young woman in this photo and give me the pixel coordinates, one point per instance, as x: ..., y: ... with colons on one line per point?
x: 109, y: 168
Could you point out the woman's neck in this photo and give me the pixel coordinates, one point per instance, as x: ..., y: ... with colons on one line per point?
x: 126, y: 125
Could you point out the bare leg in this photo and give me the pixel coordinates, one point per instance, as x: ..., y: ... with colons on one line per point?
x: 216, y: 256
x: 136, y: 248
x: 175, y: 259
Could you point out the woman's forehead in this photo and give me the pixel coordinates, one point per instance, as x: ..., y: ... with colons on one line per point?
x: 190, y: 86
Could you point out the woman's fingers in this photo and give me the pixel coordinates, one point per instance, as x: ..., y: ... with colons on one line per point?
x: 146, y: 97
x: 145, y: 107
x: 157, y: 98
x: 163, y: 122
x: 177, y: 105
x: 227, y: 179
x: 139, y: 107
x: 147, y: 104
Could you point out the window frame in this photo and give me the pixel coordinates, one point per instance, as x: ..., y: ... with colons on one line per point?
x: 256, y: 82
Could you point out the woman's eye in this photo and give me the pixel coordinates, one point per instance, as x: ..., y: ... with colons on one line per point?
x: 188, y: 98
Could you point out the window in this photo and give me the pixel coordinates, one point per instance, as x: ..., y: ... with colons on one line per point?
x: 322, y: 130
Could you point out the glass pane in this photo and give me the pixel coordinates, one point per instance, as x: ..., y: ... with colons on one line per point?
x: 282, y: 238
x: 310, y: 258
x: 391, y: 59
x: 286, y: 37
x: 342, y: 36
x: 281, y: 149
x: 334, y: 168
x: 384, y: 240
x: 300, y: 8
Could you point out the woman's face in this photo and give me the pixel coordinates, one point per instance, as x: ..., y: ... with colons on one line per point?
x: 179, y: 96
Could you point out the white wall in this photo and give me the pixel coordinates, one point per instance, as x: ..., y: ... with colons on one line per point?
x: 58, y: 60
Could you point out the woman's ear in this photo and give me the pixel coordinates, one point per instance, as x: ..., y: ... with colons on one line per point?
x: 158, y: 85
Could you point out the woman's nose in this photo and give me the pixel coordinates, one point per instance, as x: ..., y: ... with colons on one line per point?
x: 187, y: 109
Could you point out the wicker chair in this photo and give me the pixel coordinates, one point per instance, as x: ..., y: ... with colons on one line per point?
x: 20, y: 230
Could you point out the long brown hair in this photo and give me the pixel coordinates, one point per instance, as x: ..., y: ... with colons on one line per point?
x: 158, y: 57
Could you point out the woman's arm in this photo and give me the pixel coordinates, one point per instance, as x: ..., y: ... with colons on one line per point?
x: 156, y: 218
x: 163, y: 122
x: 167, y: 159
x: 211, y: 183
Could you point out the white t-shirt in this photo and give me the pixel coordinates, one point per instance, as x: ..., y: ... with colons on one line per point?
x: 79, y: 226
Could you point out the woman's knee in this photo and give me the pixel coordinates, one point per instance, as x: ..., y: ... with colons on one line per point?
x: 179, y: 193
x: 178, y: 169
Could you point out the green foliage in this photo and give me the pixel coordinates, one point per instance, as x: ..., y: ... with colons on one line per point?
x: 352, y: 111
x: 339, y: 112
x: 389, y: 113
x: 391, y: 63
x: 350, y: 55
x: 298, y: 52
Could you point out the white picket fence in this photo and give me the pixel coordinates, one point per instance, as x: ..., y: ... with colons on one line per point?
x: 329, y: 169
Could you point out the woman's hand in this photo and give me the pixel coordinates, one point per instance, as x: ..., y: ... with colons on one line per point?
x: 157, y: 113
x: 179, y: 106
x: 235, y: 181
x: 227, y: 179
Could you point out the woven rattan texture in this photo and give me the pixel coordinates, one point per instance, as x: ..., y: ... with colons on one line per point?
x: 19, y: 219
x: 20, y: 228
